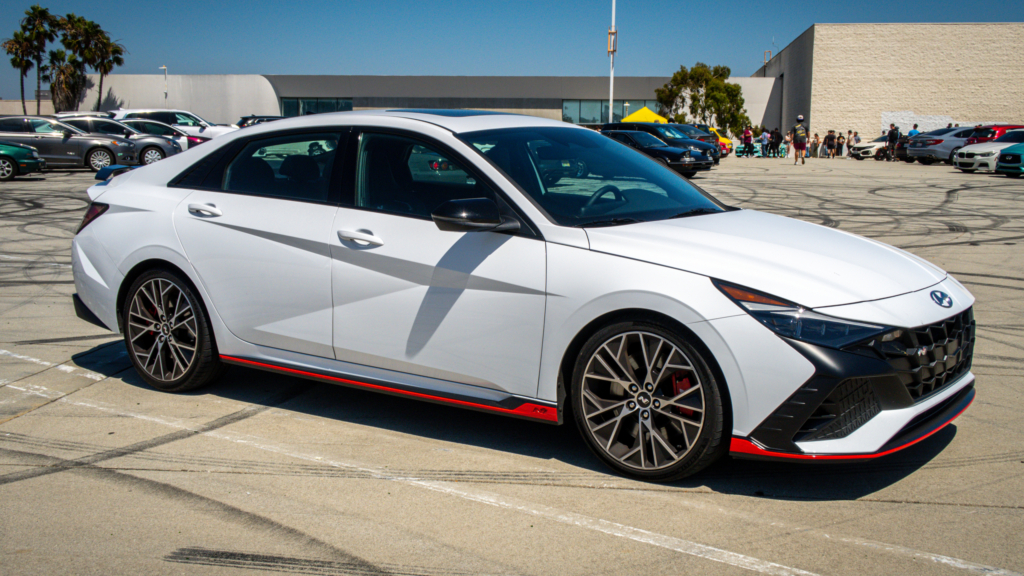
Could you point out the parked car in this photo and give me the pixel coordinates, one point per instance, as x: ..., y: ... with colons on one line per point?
x: 985, y: 156
x: 939, y: 145
x: 64, y: 145
x: 160, y: 129
x: 686, y: 162
x: 724, y: 143
x: 18, y: 160
x: 669, y: 134
x: 65, y: 115
x: 553, y: 163
x: 252, y: 120
x: 185, y: 121
x: 990, y: 132
x: 1010, y: 161
x: 869, y: 149
x: 691, y: 131
x: 672, y: 329
x: 151, y: 148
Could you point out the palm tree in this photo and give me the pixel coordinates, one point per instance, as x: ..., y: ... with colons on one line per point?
x: 40, y: 27
x: 108, y: 54
x: 19, y: 47
x: 66, y: 75
x: 81, y: 38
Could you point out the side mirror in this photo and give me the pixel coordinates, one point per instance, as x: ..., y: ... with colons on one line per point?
x: 472, y: 215
x: 67, y: 133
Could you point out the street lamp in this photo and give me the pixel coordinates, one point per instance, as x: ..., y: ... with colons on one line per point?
x: 613, y: 47
x: 625, y: 109
x: 164, y: 68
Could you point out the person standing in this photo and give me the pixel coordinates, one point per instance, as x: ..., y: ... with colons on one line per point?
x: 840, y: 145
x: 798, y: 135
x: 849, y: 144
x: 815, y: 144
x: 830, y: 144
x: 766, y: 139
x: 748, y: 141
x: 891, y: 138
x: 913, y: 132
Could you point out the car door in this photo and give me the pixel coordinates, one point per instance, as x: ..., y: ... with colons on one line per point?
x: 56, y: 147
x: 256, y: 229
x: 466, y: 307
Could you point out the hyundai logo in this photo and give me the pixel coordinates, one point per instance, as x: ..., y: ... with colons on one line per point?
x: 942, y: 299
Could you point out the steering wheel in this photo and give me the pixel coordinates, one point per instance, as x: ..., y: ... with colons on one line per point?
x: 601, y: 192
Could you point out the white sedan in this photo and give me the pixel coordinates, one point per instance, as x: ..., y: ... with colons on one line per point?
x: 869, y: 149
x: 423, y: 253
x: 984, y: 156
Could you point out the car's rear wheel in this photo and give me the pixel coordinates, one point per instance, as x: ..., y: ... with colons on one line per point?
x: 909, y: 160
x: 99, y: 159
x: 926, y: 161
x: 151, y: 155
x: 689, y: 174
x: 646, y: 402
x: 167, y: 333
x: 1012, y: 175
x: 8, y: 168
x: 581, y: 169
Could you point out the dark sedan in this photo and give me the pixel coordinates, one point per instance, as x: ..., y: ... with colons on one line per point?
x: 151, y: 149
x: 698, y: 133
x: 62, y: 145
x: 686, y: 162
x: 669, y: 134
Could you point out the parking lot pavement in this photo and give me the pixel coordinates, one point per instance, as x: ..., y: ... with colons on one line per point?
x: 101, y: 474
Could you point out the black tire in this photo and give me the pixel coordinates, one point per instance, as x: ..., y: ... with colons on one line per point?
x: 8, y: 169
x: 967, y: 170
x: 709, y: 443
x: 582, y: 171
x: 952, y: 156
x: 926, y: 161
x: 1012, y: 175
x: 205, y: 365
x: 688, y: 174
x: 151, y: 155
x: 99, y: 158
x: 908, y: 160
x: 859, y: 157
x: 662, y: 161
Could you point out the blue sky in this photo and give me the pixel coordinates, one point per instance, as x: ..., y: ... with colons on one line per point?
x: 461, y: 37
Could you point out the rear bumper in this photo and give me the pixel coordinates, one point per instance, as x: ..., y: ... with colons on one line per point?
x: 83, y: 312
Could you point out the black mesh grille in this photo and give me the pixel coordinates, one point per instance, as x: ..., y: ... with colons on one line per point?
x: 846, y: 409
x: 1010, y: 158
x: 929, y: 358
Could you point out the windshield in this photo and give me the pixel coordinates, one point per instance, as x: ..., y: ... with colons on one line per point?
x: 690, y: 130
x: 983, y: 133
x: 1011, y: 136
x: 670, y: 132
x: 579, y: 177
x: 938, y: 132
x: 648, y: 140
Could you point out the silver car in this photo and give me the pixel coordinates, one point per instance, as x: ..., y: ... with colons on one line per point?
x: 939, y: 145
x: 62, y: 145
x: 151, y: 149
x: 155, y: 128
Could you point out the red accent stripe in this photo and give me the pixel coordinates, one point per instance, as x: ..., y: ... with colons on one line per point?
x: 527, y: 410
x: 744, y: 446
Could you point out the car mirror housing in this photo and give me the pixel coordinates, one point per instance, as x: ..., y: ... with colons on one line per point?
x: 472, y: 215
x: 67, y: 133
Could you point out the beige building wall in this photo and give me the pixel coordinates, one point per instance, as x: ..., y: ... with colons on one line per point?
x: 13, y: 107
x: 867, y: 75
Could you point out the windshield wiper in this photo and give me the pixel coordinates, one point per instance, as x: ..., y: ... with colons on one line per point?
x: 608, y: 222
x: 695, y: 212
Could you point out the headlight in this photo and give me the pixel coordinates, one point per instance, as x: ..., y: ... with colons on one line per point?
x: 796, y: 322
x: 986, y: 154
x: 35, y: 154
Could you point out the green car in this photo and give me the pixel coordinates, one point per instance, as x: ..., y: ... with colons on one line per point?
x: 1010, y: 161
x: 18, y: 159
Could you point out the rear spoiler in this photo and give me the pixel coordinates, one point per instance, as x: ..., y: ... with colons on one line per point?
x: 109, y: 172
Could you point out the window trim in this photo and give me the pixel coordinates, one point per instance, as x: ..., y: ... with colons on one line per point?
x: 527, y: 228
x: 229, y: 153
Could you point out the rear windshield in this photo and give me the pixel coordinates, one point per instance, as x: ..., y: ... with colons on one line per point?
x: 647, y: 141
x: 581, y: 178
x: 1012, y: 136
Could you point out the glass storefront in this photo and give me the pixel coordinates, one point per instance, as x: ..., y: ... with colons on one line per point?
x: 589, y: 112
x: 303, y: 106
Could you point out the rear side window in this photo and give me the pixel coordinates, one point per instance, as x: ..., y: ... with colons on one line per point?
x: 107, y: 128
x: 295, y: 167
x: 152, y: 128
x: 12, y: 125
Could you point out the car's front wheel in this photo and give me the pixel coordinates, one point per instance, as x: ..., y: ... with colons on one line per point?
x: 99, y: 159
x: 646, y: 402
x: 689, y: 174
x: 167, y: 333
x: 8, y: 168
x: 151, y: 155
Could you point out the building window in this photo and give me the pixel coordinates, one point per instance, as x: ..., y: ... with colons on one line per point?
x: 303, y: 106
x: 588, y: 112
x: 571, y: 111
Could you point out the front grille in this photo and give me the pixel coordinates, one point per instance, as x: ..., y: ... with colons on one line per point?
x: 1010, y: 158
x: 846, y: 409
x: 929, y: 358
x: 970, y: 154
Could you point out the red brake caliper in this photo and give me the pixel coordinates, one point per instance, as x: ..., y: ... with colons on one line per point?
x: 680, y: 385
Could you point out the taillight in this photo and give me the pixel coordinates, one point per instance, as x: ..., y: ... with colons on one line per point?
x: 932, y: 142
x: 94, y: 211
x: 193, y: 141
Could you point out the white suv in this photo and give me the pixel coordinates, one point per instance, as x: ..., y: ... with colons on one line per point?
x: 185, y: 121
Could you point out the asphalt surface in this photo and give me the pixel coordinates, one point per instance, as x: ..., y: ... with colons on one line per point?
x: 100, y: 474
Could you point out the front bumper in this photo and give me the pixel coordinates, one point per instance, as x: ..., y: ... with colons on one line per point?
x: 694, y: 166
x: 869, y: 400
x: 1004, y: 167
x: 863, y: 153
x: 30, y: 165
x: 987, y: 163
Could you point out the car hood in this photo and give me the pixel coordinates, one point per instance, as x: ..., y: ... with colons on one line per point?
x: 987, y: 147
x: 805, y: 263
x: 16, y: 145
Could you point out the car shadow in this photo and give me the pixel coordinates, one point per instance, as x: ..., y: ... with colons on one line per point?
x: 773, y: 480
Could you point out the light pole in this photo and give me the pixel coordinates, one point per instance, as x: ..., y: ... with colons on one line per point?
x: 164, y: 68
x: 613, y: 41
x: 625, y: 109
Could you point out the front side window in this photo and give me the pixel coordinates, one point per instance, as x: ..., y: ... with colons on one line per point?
x: 580, y: 177
x: 403, y: 176
x: 112, y: 128
x: 44, y: 127
x: 648, y: 141
x: 186, y: 120
x: 295, y: 167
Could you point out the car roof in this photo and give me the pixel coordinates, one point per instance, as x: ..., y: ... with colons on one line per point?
x: 456, y: 121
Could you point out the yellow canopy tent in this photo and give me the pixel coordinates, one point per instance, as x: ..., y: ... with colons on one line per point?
x: 644, y: 115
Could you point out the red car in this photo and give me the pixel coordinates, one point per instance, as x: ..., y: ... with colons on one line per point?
x: 990, y: 132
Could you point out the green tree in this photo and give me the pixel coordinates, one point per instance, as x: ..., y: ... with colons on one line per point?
x: 40, y: 27
x: 108, y: 54
x: 81, y: 39
x: 707, y: 95
x: 66, y: 75
x: 20, y: 48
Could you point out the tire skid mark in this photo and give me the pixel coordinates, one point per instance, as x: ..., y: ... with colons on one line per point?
x: 219, y: 509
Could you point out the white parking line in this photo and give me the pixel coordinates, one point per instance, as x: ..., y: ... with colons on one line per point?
x: 554, y: 514
x: 62, y: 367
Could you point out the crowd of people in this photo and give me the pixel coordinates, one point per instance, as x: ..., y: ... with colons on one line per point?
x: 833, y: 145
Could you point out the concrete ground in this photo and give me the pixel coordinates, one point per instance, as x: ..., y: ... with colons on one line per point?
x: 101, y: 474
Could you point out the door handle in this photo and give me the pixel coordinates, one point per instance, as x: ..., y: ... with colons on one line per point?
x: 360, y: 236
x: 205, y: 209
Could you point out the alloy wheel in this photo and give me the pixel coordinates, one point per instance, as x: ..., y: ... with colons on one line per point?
x: 6, y: 169
x: 152, y: 156
x: 643, y: 401
x: 162, y: 330
x: 99, y: 159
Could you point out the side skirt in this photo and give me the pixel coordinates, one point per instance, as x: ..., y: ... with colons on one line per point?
x: 511, y: 406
